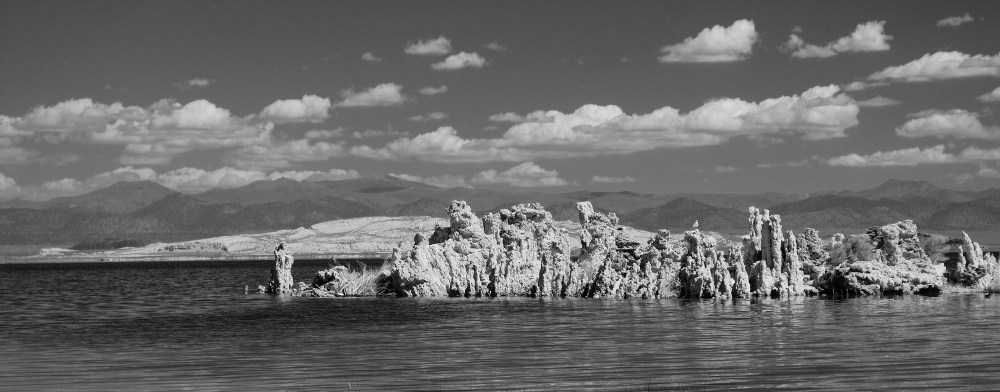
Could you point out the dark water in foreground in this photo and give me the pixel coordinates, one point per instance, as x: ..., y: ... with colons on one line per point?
x: 188, y: 325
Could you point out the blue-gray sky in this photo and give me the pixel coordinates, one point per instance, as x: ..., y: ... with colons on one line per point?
x: 646, y: 96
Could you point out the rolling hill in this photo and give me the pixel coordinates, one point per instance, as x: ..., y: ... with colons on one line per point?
x: 147, y: 211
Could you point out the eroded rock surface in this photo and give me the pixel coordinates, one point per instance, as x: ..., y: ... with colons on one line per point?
x: 516, y: 252
x: 900, y: 266
x: 281, y: 274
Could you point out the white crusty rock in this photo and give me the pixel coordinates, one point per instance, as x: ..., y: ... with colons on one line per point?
x: 519, y: 252
x: 772, y: 258
x: 516, y: 252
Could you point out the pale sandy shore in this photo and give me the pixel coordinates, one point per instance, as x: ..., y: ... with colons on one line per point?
x: 370, y: 237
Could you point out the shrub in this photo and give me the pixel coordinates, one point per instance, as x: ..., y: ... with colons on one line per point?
x: 853, y: 249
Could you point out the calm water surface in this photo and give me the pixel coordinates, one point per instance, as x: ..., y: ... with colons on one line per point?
x: 188, y: 325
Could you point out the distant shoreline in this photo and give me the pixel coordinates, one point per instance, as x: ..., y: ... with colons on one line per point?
x: 159, y: 258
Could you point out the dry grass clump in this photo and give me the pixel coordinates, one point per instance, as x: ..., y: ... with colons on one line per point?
x: 363, y: 282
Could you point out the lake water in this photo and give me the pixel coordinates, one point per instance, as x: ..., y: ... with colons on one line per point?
x: 188, y: 325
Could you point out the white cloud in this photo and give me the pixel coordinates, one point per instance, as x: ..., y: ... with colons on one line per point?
x: 8, y: 187
x: 369, y: 56
x: 445, y: 181
x: 726, y: 169
x: 905, y: 157
x: 372, y: 133
x: 527, y: 174
x: 434, y: 90
x: 325, y: 133
x: 194, y: 83
x: 715, y: 44
x: 507, y: 117
x: 459, y: 61
x: 878, y: 102
x: 955, y: 20
x: 199, y: 114
x: 191, y: 180
x: 860, y: 85
x: 284, y: 154
x: 164, y: 129
x: 436, y: 46
x: 955, y: 123
x: 992, y: 96
x: 611, y: 180
x: 867, y: 37
x: 941, y: 66
x: 385, y: 94
x: 310, y: 108
x: 435, y: 116
x: 591, y: 130
x: 495, y: 46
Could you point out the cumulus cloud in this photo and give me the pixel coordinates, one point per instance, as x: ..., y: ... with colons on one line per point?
x: 369, y: 56
x: 955, y: 20
x: 310, y: 108
x: 992, y: 96
x: 385, y: 94
x: 878, y: 102
x: 187, y: 180
x: 527, y: 174
x: 164, y: 129
x: 283, y: 155
x: 507, y: 117
x: 905, y: 157
x: 861, y: 85
x: 433, y: 90
x: 819, y: 113
x: 611, y: 180
x: 941, y: 66
x: 325, y: 133
x: 867, y: 37
x: 8, y: 187
x: 495, y: 46
x: 191, y: 180
x: 445, y: 181
x: 194, y: 83
x: 715, y: 44
x: 373, y: 133
x: 436, y: 46
x: 953, y: 124
x: 459, y: 61
x: 435, y: 116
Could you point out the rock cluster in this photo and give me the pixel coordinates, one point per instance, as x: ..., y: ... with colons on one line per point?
x: 516, y: 252
x: 770, y: 259
x: 974, y: 267
x: 900, y: 266
x: 614, y: 265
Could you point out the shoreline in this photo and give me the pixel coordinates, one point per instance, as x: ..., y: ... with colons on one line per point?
x: 159, y: 258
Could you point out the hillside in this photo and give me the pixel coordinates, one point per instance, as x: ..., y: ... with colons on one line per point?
x: 149, y: 212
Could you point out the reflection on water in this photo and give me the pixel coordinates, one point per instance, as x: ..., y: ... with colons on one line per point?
x: 172, y: 326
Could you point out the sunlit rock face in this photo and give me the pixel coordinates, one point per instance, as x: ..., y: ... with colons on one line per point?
x: 771, y: 258
x: 900, y: 266
x: 975, y: 268
x: 516, y: 252
x: 281, y: 274
x: 614, y: 265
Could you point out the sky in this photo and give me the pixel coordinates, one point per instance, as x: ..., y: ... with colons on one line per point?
x: 644, y: 96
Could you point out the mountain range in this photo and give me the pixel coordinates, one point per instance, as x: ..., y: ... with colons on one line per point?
x: 147, y: 211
